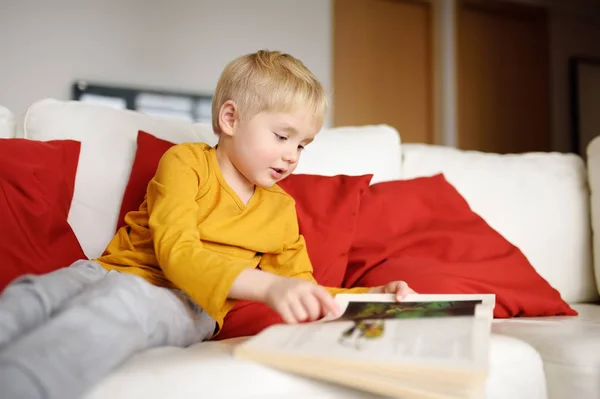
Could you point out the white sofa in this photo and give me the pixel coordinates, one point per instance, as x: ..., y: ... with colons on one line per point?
x: 540, y: 202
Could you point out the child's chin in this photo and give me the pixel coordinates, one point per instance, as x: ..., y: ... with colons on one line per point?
x: 266, y: 184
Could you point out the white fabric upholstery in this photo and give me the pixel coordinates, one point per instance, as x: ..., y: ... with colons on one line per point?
x: 8, y: 129
x: 365, y: 150
x: 517, y: 370
x: 569, y: 347
x: 108, y: 144
x: 208, y: 370
x: 593, y: 161
x: 539, y: 202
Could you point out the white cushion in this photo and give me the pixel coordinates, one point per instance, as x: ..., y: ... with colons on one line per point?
x: 537, y: 201
x: 108, y: 144
x: 593, y: 160
x: 354, y: 151
x: 516, y: 370
x: 569, y: 347
x: 108, y: 138
x: 8, y: 129
x: 208, y: 370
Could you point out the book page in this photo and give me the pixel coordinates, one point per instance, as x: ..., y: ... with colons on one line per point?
x: 485, y: 299
x: 430, y: 331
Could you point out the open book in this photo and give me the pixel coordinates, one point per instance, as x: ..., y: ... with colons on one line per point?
x: 425, y: 346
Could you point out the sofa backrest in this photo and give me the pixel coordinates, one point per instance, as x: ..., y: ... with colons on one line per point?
x: 108, y: 146
x: 537, y: 201
x: 8, y: 127
x: 354, y: 151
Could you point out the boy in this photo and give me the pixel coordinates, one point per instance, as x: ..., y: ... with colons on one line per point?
x: 214, y: 227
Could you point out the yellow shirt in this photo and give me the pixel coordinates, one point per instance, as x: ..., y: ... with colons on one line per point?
x: 192, y: 232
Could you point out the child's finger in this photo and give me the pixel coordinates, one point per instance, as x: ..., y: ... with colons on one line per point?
x: 402, y: 290
x: 286, y: 314
x: 327, y: 302
x: 312, y: 306
x: 298, y: 311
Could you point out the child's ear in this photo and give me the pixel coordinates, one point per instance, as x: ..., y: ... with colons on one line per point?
x: 227, y: 115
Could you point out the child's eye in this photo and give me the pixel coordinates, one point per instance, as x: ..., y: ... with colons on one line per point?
x: 300, y: 147
x: 280, y: 137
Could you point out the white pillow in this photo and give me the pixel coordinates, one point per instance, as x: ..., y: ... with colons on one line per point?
x: 357, y: 150
x: 537, y: 201
x: 108, y: 144
x: 8, y: 128
x: 593, y: 160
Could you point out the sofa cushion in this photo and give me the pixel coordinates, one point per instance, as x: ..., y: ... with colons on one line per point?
x: 354, y: 150
x: 108, y: 143
x: 149, y: 150
x: 593, y: 161
x: 537, y: 201
x: 327, y: 209
x: 8, y: 128
x: 206, y: 370
x: 422, y: 231
x: 36, y: 187
x: 568, y: 346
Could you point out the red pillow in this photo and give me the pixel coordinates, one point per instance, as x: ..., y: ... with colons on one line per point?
x: 149, y: 151
x: 424, y: 232
x: 37, y: 180
x: 327, y: 210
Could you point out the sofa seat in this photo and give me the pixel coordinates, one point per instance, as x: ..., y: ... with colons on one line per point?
x: 569, y: 347
x: 208, y: 370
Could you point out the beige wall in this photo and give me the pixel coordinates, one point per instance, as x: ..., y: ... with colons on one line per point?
x: 175, y: 44
x: 184, y: 44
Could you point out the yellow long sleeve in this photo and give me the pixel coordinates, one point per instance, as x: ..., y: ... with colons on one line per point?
x: 205, y: 275
x: 193, y: 232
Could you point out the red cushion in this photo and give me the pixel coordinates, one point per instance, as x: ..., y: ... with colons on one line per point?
x: 327, y: 210
x: 149, y: 151
x: 247, y: 318
x: 424, y: 232
x: 37, y: 180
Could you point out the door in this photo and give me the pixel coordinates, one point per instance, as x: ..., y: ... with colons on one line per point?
x: 503, y: 78
x: 382, y: 65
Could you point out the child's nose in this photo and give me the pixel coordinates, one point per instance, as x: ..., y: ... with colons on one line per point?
x: 291, y: 156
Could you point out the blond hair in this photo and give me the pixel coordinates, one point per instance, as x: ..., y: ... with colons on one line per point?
x: 268, y: 81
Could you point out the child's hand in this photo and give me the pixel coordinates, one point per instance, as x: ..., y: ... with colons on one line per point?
x: 299, y: 300
x: 400, y: 288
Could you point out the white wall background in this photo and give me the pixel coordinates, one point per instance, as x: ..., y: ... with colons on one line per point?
x: 169, y: 44
x: 184, y: 44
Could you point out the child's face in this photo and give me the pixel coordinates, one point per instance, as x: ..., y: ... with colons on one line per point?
x: 267, y: 147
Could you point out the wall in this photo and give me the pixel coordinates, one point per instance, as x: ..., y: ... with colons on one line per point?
x: 184, y: 44
x: 178, y: 44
